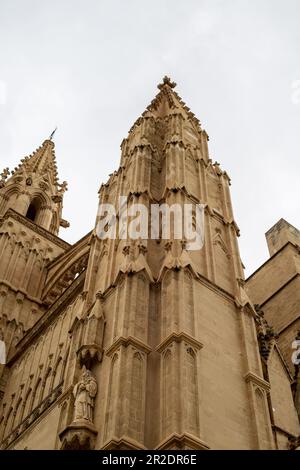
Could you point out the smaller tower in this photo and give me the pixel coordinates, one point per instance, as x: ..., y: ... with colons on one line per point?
x: 33, y: 190
x: 31, y: 201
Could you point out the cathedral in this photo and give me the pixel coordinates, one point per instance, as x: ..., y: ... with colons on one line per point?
x: 130, y: 343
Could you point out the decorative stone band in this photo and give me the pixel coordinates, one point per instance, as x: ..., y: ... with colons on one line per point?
x: 36, y: 228
x: 179, y: 337
x: 182, y: 442
x: 129, y: 341
x: 18, y: 292
x: 123, y: 443
x: 252, y: 377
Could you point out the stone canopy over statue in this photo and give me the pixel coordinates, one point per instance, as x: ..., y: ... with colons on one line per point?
x: 84, y: 393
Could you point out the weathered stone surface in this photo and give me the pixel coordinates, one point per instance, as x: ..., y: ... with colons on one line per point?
x: 182, y: 352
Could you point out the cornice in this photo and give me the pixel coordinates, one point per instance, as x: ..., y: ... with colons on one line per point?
x: 121, y: 443
x: 271, y: 258
x: 191, y: 197
x: 215, y: 288
x: 22, y: 291
x: 179, y: 337
x: 36, y: 228
x: 280, y: 289
x: 252, y: 377
x: 129, y: 341
x: 288, y: 325
x: 181, y: 439
x: 200, y: 278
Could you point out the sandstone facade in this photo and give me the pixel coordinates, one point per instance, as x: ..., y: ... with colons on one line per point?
x: 142, y: 344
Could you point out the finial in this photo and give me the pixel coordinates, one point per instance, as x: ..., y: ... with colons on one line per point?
x: 63, y: 187
x: 166, y: 82
x: 52, y: 134
x: 5, y: 173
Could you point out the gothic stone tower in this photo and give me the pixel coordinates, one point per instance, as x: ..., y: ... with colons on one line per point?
x: 162, y: 340
x: 30, y: 211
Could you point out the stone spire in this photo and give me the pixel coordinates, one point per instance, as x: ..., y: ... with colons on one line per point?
x: 33, y: 189
x: 165, y: 134
x: 165, y: 158
x: 42, y: 161
x: 166, y: 102
x: 160, y: 294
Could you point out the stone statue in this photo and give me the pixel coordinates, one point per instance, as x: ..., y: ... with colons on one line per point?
x: 84, y: 392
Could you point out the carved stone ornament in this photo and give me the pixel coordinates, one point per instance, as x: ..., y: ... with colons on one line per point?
x: 78, y: 436
x: 81, y: 433
x: 294, y: 443
x: 265, y: 334
x: 57, y: 198
x: 4, y: 176
x: 84, y: 393
x: 166, y: 82
x: 88, y: 354
x: 91, y: 347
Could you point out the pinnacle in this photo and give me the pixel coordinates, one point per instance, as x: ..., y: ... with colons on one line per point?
x: 41, y: 160
x: 167, y: 93
x: 166, y: 82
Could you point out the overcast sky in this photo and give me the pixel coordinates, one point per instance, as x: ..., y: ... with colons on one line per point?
x: 91, y: 67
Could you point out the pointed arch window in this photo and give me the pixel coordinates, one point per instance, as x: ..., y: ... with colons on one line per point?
x: 33, y: 210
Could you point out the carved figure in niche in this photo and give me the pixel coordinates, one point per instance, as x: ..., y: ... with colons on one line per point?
x: 84, y: 392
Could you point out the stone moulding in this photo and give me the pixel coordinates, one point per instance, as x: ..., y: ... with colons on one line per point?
x: 182, y: 442
x: 122, y: 341
x: 21, y: 291
x: 80, y: 435
x: 178, y: 337
x: 199, y: 278
x: 122, y: 443
x: 89, y: 353
x: 251, y: 377
x: 36, y: 228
